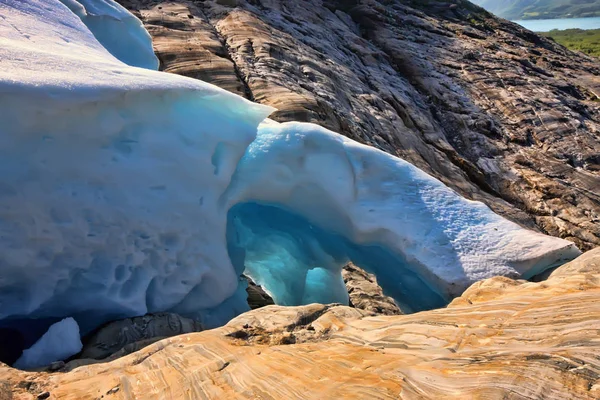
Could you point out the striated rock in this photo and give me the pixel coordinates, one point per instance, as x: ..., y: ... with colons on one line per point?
x: 187, y: 44
x: 588, y: 263
x: 257, y: 297
x: 494, y: 111
x: 365, y: 294
x: 148, y: 329
x: 501, y: 339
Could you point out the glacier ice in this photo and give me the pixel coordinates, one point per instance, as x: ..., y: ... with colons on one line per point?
x: 111, y: 177
x: 59, y: 343
x: 120, y: 32
x: 125, y: 191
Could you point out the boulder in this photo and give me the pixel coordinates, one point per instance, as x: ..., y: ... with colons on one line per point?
x: 365, y: 294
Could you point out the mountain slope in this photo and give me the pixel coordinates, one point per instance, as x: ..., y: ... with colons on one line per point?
x: 540, y: 9
x: 497, y: 113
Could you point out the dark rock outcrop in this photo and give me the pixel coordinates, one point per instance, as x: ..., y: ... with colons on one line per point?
x: 500, y: 339
x: 494, y: 111
x: 150, y: 328
x: 365, y: 294
x: 257, y: 297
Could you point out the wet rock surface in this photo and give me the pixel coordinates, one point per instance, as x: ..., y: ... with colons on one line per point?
x: 494, y: 111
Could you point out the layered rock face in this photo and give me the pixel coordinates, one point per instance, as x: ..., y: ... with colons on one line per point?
x: 147, y: 329
x: 499, y: 114
x: 500, y: 339
x: 494, y: 111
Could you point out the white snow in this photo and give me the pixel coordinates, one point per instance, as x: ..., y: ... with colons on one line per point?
x: 125, y: 191
x: 60, y: 342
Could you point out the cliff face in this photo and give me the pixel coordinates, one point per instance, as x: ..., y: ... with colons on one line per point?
x: 497, y: 113
x: 500, y: 339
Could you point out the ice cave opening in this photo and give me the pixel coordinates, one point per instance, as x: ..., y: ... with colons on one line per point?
x: 298, y: 262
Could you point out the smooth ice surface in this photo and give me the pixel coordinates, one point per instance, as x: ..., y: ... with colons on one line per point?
x: 120, y: 32
x: 59, y: 343
x: 125, y: 191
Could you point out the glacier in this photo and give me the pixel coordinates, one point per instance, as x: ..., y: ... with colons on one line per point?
x: 124, y: 190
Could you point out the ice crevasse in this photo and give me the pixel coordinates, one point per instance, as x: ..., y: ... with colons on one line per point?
x: 124, y: 190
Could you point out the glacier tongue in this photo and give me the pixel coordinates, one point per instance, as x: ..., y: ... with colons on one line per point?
x: 125, y: 191
x: 345, y: 201
x: 120, y: 32
x: 111, y: 178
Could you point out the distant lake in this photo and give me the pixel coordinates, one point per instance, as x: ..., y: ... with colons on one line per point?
x: 546, y: 25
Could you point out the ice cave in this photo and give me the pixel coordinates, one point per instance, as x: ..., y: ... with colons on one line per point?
x: 126, y: 190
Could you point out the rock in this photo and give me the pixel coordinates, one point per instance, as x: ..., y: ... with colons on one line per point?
x: 57, y: 365
x: 588, y: 263
x: 257, y: 297
x: 366, y: 294
x: 229, y: 3
x: 113, y: 390
x: 494, y: 111
x: 137, y: 332
x: 501, y: 338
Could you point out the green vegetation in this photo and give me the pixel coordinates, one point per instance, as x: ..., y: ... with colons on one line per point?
x: 585, y: 41
x: 541, y: 9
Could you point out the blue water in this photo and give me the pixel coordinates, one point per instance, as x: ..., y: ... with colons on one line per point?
x: 546, y: 25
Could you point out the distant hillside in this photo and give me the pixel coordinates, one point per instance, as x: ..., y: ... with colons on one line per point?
x: 541, y: 9
x: 587, y: 41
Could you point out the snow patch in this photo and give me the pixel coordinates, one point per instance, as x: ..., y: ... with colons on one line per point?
x: 109, y: 201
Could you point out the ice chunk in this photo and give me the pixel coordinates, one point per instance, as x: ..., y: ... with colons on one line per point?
x: 315, y: 199
x: 59, y: 343
x: 121, y: 33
